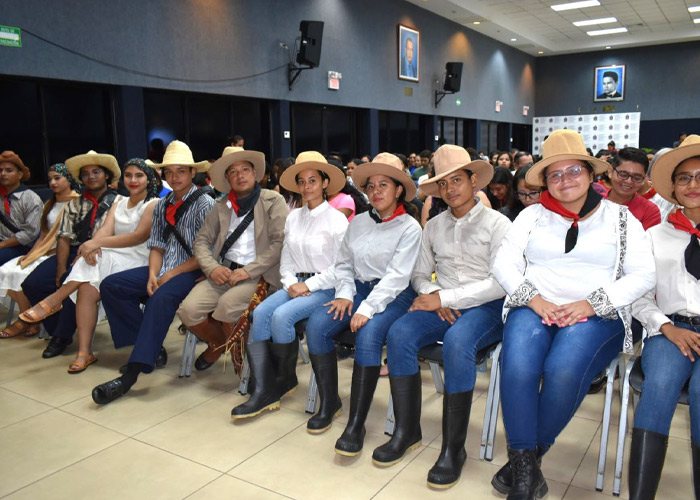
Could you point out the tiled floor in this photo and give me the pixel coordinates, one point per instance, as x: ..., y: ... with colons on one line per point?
x: 172, y: 438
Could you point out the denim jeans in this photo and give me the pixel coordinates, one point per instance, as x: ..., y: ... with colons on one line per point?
x: 276, y: 316
x: 565, y: 360
x: 475, y: 329
x: 322, y: 328
x: 666, y: 371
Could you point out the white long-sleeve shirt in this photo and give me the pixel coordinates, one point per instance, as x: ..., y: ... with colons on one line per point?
x: 385, y: 251
x: 461, y: 253
x: 312, y: 240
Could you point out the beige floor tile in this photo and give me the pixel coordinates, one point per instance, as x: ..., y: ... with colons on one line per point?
x: 574, y: 493
x: 41, y: 445
x: 227, y: 487
x: 205, y: 434
x: 16, y: 407
x: 129, y: 470
x: 563, y: 459
x: 153, y: 399
x: 22, y: 357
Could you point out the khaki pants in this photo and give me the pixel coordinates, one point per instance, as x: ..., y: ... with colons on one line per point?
x: 226, y: 303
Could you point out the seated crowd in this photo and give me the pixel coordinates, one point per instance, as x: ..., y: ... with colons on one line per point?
x: 558, y: 259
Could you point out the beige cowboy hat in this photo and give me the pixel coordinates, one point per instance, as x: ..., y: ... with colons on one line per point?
x: 109, y: 162
x: 12, y: 157
x: 179, y: 153
x: 563, y: 145
x: 385, y: 164
x: 312, y: 160
x: 231, y: 155
x: 449, y: 159
x: 667, y: 163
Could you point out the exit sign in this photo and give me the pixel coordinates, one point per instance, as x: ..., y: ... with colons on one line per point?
x: 10, y: 37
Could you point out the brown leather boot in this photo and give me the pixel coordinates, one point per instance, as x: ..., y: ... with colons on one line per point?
x: 211, y: 332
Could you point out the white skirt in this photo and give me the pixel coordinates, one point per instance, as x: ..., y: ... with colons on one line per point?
x: 12, y: 275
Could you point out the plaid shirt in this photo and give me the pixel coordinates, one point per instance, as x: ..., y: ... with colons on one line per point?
x: 25, y: 212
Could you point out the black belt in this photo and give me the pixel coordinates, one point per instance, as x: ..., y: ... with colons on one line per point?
x: 694, y: 321
x: 305, y: 276
x: 231, y: 264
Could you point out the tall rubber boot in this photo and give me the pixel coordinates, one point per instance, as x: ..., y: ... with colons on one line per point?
x: 647, y: 455
x: 265, y: 395
x: 284, y: 358
x: 455, y: 420
x: 325, y: 367
x: 364, y: 382
x: 696, y: 469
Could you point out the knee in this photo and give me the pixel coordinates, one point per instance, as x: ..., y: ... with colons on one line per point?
x: 400, y: 339
x: 189, y: 313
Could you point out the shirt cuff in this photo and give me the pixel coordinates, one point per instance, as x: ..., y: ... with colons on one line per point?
x: 656, y: 321
x: 601, y: 304
x: 448, y: 298
x: 522, y: 295
x: 288, y: 281
x: 365, y: 310
x: 312, y: 283
x: 426, y: 288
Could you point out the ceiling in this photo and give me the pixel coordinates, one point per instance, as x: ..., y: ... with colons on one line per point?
x: 538, y: 28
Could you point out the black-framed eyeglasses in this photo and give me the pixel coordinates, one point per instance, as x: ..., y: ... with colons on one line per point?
x: 684, y: 179
x: 529, y: 195
x: 625, y: 175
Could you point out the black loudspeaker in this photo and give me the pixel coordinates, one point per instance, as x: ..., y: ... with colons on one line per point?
x: 310, y: 46
x: 453, y: 79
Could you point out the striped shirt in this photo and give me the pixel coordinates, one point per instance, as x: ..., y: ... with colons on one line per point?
x: 76, y: 210
x: 25, y: 211
x: 187, y: 226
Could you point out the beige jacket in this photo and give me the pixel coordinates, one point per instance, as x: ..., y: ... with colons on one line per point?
x: 269, y: 216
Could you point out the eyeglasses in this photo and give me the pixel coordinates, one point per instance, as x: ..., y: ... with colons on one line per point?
x: 684, y: 179
x: 572, y: 172
x: 625, y: 175
x: 529, y: 195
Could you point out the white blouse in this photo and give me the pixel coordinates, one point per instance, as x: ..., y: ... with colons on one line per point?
x: 312, y: 239
x: 385, y: 251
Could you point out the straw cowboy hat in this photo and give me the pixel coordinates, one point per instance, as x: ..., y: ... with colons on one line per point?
x: 449, y: 159
x: 231, y: 155
x: 312, y: 160
x: 12, y: 157
x: 109, y: 162
x: 179, y: 153
x: 563, y: 145
x: 385, y: 164
x: 667, y: 163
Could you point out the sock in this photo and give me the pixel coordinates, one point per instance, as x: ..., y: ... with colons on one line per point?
x: 131, y: 375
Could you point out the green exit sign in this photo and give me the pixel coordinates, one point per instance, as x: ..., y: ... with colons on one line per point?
x: 10, y: 37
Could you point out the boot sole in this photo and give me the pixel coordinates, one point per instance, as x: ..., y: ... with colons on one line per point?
x: 499, y: 486
x: 442, y: 486
x: 289, y: 392
x: 394, y: 462
x: 347, y: 453
x: 324, y: 429
x: 542, y: 490
x: 271, y: 407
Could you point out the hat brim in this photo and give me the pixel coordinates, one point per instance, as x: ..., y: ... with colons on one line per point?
x: 664, y: 167
x: 335, y: 184
x: 217, y: 172
x: 534, y: 175
x: 109, y: 162
x: 482, y: 169
x: 366, y: 170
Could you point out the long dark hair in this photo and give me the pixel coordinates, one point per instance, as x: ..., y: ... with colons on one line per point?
x: 501, y: 175
x: 289, y: 196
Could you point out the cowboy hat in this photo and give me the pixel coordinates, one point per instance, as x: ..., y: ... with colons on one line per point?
x: 109, y: 162
x: 231, y: 155
x: 312, y: 160
x: 179, y: 153
x: 667, y: 163
x: 12, y: 157
x: 449, y: 159
x: 385, y: 164
x: 563, y: 145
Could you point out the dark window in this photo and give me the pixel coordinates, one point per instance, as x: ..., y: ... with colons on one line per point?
x: 209, y: 120
x: 324, y: 129
x: 21, y: 127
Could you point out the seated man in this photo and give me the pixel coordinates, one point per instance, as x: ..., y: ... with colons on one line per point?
x: 462, y: 307
x: 240, y: 242
x: 170, y: 275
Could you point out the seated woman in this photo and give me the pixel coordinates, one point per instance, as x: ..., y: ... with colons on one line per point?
x: 571, y: 265
x: 499, y: 190
x: 372, y: 290
x: 312, y: 238
x: 13, y: 272
x: 118, y: 245
x: 524, y: 194
x: 348, y: 200
x: 672, y: 349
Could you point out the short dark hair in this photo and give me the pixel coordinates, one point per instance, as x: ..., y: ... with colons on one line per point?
x: 473, y: 154
x: 426, y: 153
x: 634, y: 155
x: 612, y: 74
x: 519, y: 155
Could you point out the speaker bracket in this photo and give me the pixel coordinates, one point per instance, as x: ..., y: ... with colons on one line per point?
x: 439, y: 96
x: 293, y: 73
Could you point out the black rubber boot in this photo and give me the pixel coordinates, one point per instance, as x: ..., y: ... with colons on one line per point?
x: 325, y: 368
x: 647, y: 455
x: 265, y: 395
x: 503, y: 479
x: 696, y: 469
x: 455, y: 420
x: 284, y: 358
x: 406, y: 395
x: 528, y: 481
x: 364, y: 382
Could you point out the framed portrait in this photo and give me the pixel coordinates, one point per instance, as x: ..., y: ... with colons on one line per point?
x: 609, y: 83
x: 409, y: 53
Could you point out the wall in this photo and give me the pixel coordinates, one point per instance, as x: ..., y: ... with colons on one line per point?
x: 224, y: 39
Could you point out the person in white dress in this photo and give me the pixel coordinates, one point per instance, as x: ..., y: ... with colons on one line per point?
x: 118, y: 245
x: 14, y: 271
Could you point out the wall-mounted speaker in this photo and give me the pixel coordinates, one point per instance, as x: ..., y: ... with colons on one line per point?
x: 453, y: 78
x: 310, y: 46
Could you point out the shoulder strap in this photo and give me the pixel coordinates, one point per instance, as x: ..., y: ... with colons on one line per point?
x: 169, y: 229
x: 237, y: 233
x: 83, y: 229
x: 5, y: 221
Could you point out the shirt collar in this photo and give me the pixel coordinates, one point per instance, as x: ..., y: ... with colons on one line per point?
x: 473, y: 212
x: 16, y: 192
x: 316, y: 211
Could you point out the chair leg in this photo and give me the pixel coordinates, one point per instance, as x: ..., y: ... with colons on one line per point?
x: 602, y: 455
x: 312, y: 397
x: 303, y: 354
x: 188, y: 352
x: 245, y: 377
x: 390, y: 418
x: 617, y: 483
x: 10, y: 313
x: 437, y: 376
x: 488, y: 434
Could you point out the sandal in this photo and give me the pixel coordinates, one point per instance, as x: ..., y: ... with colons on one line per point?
x: 78, y: 366
x: 19, y: 327
x: 39, y: 312
x: 33, y: 330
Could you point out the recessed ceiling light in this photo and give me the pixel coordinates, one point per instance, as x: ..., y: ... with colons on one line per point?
x: 608, y: 47
x: 590, y: 22
x: 610, y: 31
x: 694, y: 9
x: 696, y: 21
x: 540, y: 51
x: 513, y: 39
x: 576, y: 5
x: 477, y: 22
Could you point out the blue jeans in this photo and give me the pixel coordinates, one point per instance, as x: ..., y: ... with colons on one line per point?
x: 565, y: 359
x: 322, y: 328
x: 477, y: 328
x: 276, y: 316
x: 666, y: 371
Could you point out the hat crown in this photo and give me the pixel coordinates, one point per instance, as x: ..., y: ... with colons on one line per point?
x: 563, y: 142
x: 178, y: 152
x: 690, y: 140
x: 390, y: 160
x: 231, y: 149
x: 314, y: 156
x: 449, y: 156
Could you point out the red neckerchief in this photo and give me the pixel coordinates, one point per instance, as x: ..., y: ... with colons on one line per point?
x: 550, y: 203
x: 399, y: 211
x: 92, y: 200
x: 650, y: 194
x: 3, y: 193
x: 170, y: 212
x: 234, y: 201
x: 683, y: 223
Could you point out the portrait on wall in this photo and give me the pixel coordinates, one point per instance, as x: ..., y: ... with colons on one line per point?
x: 409, y: 53
x: 609, y: 83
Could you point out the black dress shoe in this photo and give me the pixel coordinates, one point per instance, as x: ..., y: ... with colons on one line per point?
x: 56, y: 347
x: 161, y: 361
x: 108, y: 392
x: 202, y: 364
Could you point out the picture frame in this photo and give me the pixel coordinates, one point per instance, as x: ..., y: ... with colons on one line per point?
x: 408, y: 53
x: 609, y: 83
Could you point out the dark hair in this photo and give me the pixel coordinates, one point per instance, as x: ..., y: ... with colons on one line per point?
x: 403, y: 159
x: 200, y: 179
x: 515, y: 206
x: 602, y: 152
x: 519, y: 155
x: 501, y: 175
x: 361, y: 203
x: 510, y: 157
x: 357, y: 161
x: 410, y: 208
x: 437, y: 206
x: 612, y: 74
x: 473, y: 154
x: 634, y: 155
x: 271, y: 177
x: 426, y: 153
x: 289, y: 196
